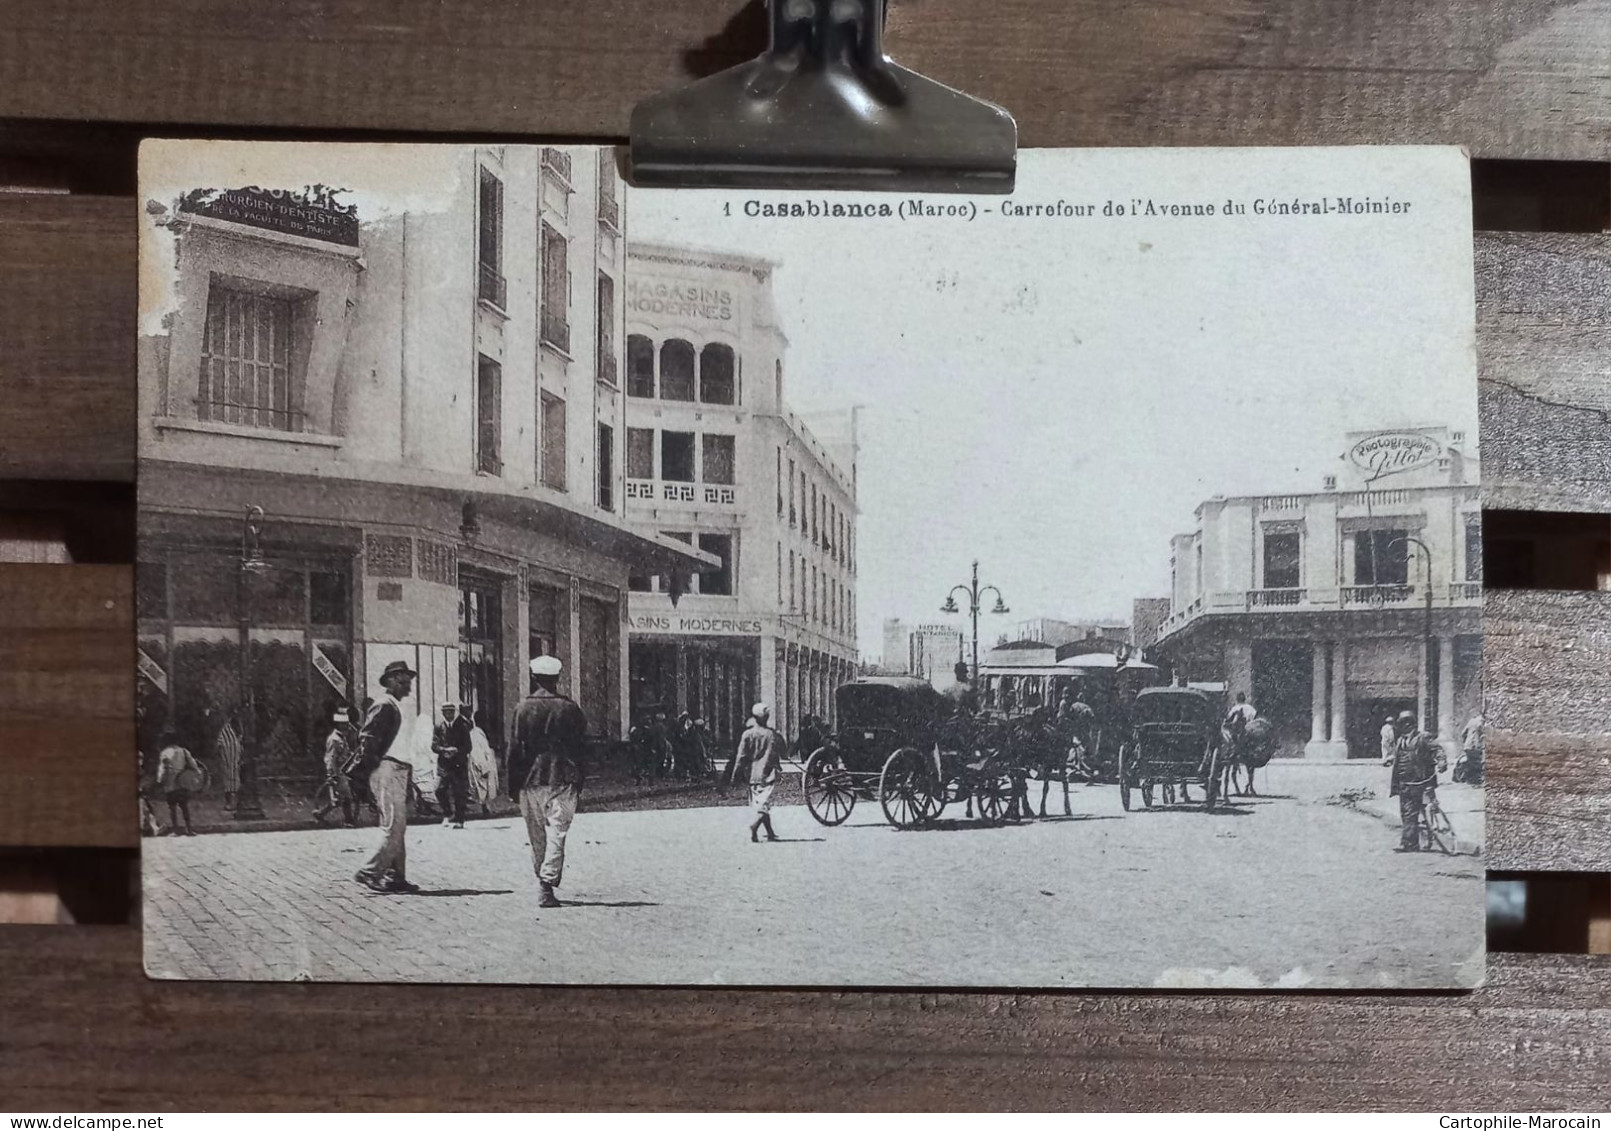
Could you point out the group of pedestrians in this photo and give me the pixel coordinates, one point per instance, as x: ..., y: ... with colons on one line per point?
x: 547, y: 771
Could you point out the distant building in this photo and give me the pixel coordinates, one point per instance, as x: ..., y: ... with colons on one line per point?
x: 1320, y: 605
x: 897, y: 644
x: 1050, y: 630
x: 1146, y: 622
x: 927, y: 651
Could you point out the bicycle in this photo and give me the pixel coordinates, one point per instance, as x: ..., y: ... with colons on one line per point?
x: 1434, y: 830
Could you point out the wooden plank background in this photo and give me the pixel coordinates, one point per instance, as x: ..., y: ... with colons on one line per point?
x: 94, y: 1033
x: 1524, y: 78
x: 80, y: 80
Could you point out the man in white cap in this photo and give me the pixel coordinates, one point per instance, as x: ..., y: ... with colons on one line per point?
x: 761, y: 751
x: 547, y: 769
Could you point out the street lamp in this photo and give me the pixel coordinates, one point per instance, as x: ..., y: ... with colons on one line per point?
x: 247, y: 805
x: 973, y: 592
x: 1429, y: 704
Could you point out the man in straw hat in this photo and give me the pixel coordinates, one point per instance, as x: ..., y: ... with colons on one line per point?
x: 384, y: 759
x: 760, y: 750
x: 547, y: 768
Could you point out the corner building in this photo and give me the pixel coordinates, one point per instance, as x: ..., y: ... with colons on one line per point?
x: 715, y: 459
x: 1335, y: 609
x: 427, y: 408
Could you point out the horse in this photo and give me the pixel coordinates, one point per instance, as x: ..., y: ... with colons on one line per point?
x: 1249, y: 751
x: 1045, y: 752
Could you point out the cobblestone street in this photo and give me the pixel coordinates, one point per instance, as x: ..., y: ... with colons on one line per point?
x: 1268, y: 893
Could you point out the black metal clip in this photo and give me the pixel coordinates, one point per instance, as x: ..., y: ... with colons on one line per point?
x: 824, y: 108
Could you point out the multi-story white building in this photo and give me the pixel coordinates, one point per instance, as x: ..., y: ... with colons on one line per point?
x: 716, y: 459
x: 426, y: 407
x: 1334, y: 609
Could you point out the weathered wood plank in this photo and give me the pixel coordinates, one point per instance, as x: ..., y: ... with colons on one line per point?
x: 67, y: 767
x: 1544, y: 311
x: 67, y: 325
x: 1526, y: 78
x: 1549, y: 746
x: 87, y: 1031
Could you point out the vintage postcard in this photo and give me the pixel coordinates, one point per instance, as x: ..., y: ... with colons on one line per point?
x: 546, y: 580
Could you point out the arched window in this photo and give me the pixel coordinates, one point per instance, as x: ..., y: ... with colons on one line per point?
x: 716, y: 374
x: 640, y: 366
x: 677, y: 371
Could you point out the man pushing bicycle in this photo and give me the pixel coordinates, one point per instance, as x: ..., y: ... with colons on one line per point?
x: 1416, y: 760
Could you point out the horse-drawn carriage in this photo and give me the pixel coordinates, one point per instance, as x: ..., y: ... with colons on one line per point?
x: 904, y: 744
x: 1029, y: 693
x: 1175, y: 740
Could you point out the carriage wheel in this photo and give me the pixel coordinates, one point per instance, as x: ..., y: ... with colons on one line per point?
x: 1211, y: 781
x: 829, y: 793
x: 993, y: 796
x: 1126, y: 756
x: 907, y: 791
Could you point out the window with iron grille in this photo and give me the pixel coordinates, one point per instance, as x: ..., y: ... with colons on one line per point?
x: 488, y: 415
x: 716, y: 374
x: 609, y: 203
x: 556, y: 290
x: 607, y: 360
x: 490, y: 285
x: 551, y: 433
x: 247, y: 373
x: 719, y: 459
x: 677, y: 457
x: 640, y: 366
x: 640, y: 453
x: 677, y: 371
x: 606, y: 461
x: 1473, y: 551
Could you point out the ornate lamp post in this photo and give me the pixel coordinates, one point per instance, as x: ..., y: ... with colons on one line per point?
x: 248, y: 807
x: 1429, y: 704
x: 974, y: 593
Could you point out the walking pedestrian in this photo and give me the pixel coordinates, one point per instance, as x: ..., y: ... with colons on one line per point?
x: 382, y: 762
x: 336, y: 792
x: 760, y: 752
x: 483, y: 767
x: 451, y: 741
x: 228, y: 748
x: 547, y: 769
x: 1416, y: 761
x: 178, y: 773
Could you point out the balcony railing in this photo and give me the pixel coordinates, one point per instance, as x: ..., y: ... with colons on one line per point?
x: 491, y: 287
x: 556, y: 331
x: 609, y: 372
x: 640, y: 489
x: 1394, y: 498
x: 1377, y: 596
x: 1281, y: 503
x: 1275, y: 598
x: 1465, y: 591
x: 558, y: 162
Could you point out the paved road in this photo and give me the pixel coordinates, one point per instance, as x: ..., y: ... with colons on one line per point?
x: 1279, y: 891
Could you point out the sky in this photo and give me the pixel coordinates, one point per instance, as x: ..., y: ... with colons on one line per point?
x: 1054, y: 396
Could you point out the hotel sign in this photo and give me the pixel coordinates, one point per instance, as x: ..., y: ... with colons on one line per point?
x: 1388, y: 453
x: 314, y: 213
x: 696, y: 624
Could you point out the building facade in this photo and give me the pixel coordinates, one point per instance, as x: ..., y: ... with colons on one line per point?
x: 715, y: 459
x: 425, y: 409
x: 1335, y: 609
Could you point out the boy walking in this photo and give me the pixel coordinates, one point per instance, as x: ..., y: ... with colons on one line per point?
x: 760, y: 750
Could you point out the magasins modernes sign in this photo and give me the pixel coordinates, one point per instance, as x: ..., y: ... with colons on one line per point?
x: 1388, y: 453
x: 696, y: 624
x: 313, y: 213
